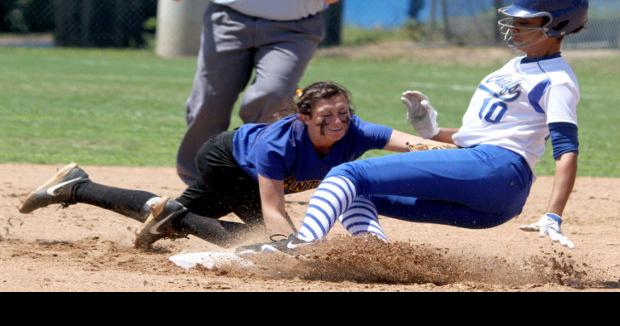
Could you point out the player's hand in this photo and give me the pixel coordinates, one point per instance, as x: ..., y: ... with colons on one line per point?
x: 549, y: 224
x: 420, y: 113
x: 329, y: 2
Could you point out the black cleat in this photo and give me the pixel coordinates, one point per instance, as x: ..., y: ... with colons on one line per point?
x: 159, y: 223
x: 57, y: 190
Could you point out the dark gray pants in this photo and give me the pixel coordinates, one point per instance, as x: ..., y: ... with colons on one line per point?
x: 232, y: 46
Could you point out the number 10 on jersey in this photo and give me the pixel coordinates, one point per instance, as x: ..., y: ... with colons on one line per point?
x: 492, y: 112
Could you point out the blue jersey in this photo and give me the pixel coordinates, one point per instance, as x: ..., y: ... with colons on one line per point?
x: 283, y: 150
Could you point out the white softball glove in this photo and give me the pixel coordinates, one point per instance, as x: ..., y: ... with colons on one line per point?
x: 549, y: 224
x: 420, y: 113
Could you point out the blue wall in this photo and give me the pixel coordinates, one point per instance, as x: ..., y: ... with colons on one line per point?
x: 393, y: 13
x: 375, y: 13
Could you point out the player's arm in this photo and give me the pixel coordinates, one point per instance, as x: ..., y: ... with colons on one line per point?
x: 403, y: 142
x: 445, y: 135
x: 565, y: 152
x: 272, y: 205
x: 563, y: 182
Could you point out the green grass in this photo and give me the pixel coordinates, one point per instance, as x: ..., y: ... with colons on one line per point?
x: 352, y: 36
x: 111, y: 107
x: 91, y: 106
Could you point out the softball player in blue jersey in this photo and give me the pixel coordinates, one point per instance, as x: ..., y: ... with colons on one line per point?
x: 486, y: 181
x: 246, y: 172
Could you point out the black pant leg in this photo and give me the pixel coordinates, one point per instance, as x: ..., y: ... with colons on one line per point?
x: 123, y: 201
x: 224, y: 187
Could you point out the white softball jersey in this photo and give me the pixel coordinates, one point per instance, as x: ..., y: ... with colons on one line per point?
x: 513, y: 106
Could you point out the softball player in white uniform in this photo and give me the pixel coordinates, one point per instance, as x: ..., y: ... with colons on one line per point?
x: 487, y: 180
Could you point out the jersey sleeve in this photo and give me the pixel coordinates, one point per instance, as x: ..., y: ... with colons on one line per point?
x: 270, y: 160
x: 562, y: 103
x: 564, y: 138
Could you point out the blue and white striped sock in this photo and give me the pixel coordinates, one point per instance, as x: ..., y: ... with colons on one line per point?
x: 333, y: 197
x: 361, y: 218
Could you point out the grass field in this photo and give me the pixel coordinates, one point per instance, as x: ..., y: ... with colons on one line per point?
x: 112, y: 107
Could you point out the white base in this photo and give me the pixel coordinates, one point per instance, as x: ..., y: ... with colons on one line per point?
x: 208, y: 259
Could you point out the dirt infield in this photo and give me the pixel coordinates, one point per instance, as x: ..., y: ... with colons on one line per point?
x: 84, y: 248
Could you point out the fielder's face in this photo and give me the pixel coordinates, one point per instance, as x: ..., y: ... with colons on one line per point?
x: 329, y: 120
x: 529, y: 36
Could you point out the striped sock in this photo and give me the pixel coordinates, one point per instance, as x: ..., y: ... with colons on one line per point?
x: 331, y: 199
x: 361, y: 218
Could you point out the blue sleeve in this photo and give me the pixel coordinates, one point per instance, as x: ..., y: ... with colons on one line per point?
x: 370, y: 135
x: 270, y: 161
x: 563, y: 138
x: 275, y: 152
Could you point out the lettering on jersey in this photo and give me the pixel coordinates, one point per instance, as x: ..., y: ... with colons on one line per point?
x: 292, y: 185
x: 503, y: 87
x: 492, y: 113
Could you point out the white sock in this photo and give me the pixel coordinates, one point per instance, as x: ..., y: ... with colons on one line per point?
x: 146, y: 209
x: 332, y: 198
x: 362, y: 218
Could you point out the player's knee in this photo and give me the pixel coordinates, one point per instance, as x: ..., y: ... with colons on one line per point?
x: 344, y: 169
x: 202, y: 156
x: 348, y: 171
x: 510, y: 211
x: 485, y: 221
x: 500, y: 218
x: 269, y: 89
x: 261, y: 102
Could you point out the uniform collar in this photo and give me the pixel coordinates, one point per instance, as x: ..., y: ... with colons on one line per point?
x: 551, y: 56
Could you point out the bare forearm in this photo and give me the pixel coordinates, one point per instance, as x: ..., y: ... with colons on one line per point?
x: 400, y: 141
x: 277, y: 221
x: 445, y: 135
x: 272, y: 206
x: 563, y: 182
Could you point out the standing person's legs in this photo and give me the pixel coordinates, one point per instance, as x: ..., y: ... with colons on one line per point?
x: 280, y: 63
x: 224, y: 67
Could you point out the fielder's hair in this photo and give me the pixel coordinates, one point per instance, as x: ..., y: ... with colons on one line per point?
x: 319, y: 91
x: 305, y: 99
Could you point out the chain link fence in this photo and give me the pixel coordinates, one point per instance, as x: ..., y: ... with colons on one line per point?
x: 91, y: 23
x: 466, y: 22
x: 132, y: 23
